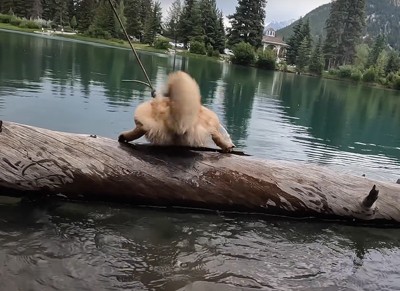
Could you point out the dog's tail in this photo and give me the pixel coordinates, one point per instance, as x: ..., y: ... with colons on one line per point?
x: 185, y: 101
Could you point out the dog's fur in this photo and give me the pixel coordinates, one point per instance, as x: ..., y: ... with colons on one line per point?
x: 178, y: 118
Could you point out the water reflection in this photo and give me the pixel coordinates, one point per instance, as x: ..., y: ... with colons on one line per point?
x: 347, y: 117
x: 269, y: 114
x: 240, y: 89
x: 102, y: 247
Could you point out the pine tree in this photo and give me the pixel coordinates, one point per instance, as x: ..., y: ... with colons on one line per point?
x: 247, y: 22
x: 71, y: 8
x: 103, y: 22
x: 305, y: 32
x: 73, y: 22
x: 220, y: 35
x: 303, y: 55
x: 334, y: 28
x: 48, y: 10
x: 85, y: 14
x: 153, y: 24
x: 344, y: 28
x: 145, y: 11
x: 379, y: 46
x: 173, y: 18
x: 301, y: 35
x: 134, y: 25
x: 353, y: 30
x: 61, y: 15
x: 209, y: 21
x: 317, y: 59
x: 36, y: 10
x: 21, y: 8
x: 294, y: 43
x: 120, y: 8
x: 393, y: 64
x: 6, y: 5
x: 190, y: 22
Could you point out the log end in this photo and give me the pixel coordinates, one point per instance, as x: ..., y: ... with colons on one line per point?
x: 398, y: 181
x: 1, y: 125
x: 371, y: 198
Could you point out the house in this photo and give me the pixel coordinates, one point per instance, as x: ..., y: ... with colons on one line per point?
x: 274, y: 42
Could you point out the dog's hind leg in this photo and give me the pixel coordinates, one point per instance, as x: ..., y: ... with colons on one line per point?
x: 133, y: 134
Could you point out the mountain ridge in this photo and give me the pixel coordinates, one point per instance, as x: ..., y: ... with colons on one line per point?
x: 382, y: 16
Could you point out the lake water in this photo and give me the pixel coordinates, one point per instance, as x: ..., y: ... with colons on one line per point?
x: 77, y: 87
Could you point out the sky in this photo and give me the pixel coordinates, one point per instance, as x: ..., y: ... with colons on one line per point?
x: 276, y: 10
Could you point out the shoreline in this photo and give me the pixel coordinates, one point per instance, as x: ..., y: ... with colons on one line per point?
x: 118, y: 43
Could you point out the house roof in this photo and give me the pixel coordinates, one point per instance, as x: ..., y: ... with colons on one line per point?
x: 274, y: 40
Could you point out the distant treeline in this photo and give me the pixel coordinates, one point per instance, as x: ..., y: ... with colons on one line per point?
x: 344, y: 52
x: 195, y: 23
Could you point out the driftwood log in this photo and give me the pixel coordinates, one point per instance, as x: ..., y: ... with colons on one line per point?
x: 35, y: 162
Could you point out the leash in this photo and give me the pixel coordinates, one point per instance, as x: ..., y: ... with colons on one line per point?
x: 153, y: 91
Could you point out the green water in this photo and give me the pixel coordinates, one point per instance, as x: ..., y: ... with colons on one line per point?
x: 78, y: 87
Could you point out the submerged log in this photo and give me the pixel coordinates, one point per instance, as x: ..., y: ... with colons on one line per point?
x: 36, y: 162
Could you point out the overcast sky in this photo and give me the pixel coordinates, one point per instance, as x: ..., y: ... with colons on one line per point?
x: 278, y: 10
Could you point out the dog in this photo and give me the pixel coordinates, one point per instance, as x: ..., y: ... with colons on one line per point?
x: 177, y: 117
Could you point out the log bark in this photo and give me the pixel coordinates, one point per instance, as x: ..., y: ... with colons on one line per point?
x: 36, y: 161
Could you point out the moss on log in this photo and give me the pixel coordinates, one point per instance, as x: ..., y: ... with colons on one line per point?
x: 36, y: 161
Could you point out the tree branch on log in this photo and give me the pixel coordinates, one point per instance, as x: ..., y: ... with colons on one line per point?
x: 38, y: 161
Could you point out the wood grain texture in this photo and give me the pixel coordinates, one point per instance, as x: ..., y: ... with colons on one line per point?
x: 38, y: 161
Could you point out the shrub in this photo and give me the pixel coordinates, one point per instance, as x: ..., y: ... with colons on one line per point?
x: 369, y: 75
x: 15, y: 20
x: 345, y: 71
x: 210, y: 50
x: 396, y: 82
x: 283, y: 66
x: 29, y: 24
x: 382, y: 81
x: 215, y: 53
x: 68, y: 29
x: 4, y: 18
x: 390, y: 77
x: 266, y: 59
x: 356, y: 75
x: 161, y: 43
x: 43, y: 23
x: 94, y: 31
x: 333, y: 72
x: 197, y: 47
x: 316, y: 67
x: 243, y: 54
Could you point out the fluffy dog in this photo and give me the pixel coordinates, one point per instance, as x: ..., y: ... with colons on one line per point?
x: 177, y: 117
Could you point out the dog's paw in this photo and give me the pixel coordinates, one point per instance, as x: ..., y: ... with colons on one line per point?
x: 228, y: 149
x: 121, y: 138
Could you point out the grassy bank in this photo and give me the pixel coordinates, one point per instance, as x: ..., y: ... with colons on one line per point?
x: 327, y: 75
x: 8, y: 26
x: 109, y: 42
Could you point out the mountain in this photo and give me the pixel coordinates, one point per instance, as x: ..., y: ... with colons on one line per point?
x: 317, y: 17
x: 382, y: 16
x: 279, y: 24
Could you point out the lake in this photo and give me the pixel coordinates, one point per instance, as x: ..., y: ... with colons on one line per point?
x: 78, y: 87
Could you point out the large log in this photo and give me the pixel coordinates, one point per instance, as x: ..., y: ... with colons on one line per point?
x: 36, y: 161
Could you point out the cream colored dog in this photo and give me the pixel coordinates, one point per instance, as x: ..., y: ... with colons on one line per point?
x: 178, y: 118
